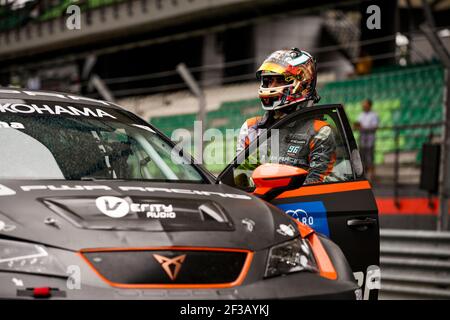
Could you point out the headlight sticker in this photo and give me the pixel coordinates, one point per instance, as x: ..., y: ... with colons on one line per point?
x: 313, y: 214
x: 286, y: 230
x: 10, y: 258
x: 25, y: 257
x: 249, y: 224
x: 5, y: 191
x: 6, y: 227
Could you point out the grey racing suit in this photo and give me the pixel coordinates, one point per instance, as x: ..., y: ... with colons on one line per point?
x: 306, y: 144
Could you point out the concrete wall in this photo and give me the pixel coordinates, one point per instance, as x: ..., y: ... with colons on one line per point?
x: 421, y: 48
x: 108, y: 22
x: 183, y: 102
x: 302, y: 32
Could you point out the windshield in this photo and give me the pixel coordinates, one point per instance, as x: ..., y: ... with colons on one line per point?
x: 77, y: 142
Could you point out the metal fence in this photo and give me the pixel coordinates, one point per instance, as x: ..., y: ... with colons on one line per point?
x: 415, y: 264
x: 406, y: 152
x: 399, y: 153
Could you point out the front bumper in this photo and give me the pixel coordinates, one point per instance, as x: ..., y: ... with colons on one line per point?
x: 294, y: 286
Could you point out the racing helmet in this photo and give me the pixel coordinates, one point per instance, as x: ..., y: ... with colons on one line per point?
x: 297, y: 69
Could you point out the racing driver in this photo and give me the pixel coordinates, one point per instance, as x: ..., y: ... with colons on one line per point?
x: 288, y: 83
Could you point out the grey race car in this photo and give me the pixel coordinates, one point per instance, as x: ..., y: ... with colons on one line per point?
x: 95, y: 204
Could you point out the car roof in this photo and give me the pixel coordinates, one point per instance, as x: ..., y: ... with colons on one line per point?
x: 52, y: 96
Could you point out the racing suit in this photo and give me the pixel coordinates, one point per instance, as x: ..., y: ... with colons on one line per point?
x: 308, y: 144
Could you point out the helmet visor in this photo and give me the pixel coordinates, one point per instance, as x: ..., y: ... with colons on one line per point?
x: 273, y: 81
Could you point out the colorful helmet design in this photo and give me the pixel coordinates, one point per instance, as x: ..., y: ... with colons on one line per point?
x: 299, y: 71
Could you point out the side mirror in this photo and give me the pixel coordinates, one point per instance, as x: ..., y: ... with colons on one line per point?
x: 272, y: 179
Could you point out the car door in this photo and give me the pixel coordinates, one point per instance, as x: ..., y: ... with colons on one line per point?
x: 341, y: 205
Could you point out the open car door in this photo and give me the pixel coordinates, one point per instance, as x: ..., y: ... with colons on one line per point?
x: 339, y: 203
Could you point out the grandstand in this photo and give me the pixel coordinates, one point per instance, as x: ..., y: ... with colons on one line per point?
x: 402, y: 96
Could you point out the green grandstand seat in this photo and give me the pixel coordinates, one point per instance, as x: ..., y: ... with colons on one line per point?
x: 401, y: 95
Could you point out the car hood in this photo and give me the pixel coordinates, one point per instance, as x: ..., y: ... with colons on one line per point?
x: 78, y: 215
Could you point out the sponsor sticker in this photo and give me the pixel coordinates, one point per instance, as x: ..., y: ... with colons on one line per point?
x: 313, y: 214
x: 133, y: 188
x: 113, y: 207
x: 293, y: 150
x: 116, y: 207
x: 23, y: 108
x: 187, y: 191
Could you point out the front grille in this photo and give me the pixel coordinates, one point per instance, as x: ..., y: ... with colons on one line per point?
x: 170, y: 267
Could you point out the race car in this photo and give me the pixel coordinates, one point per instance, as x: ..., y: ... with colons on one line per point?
x: 96, y: 203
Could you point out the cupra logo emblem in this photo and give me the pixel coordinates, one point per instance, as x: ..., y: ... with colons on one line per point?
x: 167, y: 262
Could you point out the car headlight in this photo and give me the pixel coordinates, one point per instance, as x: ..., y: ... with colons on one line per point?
x: 29, y: 258
x: 291, y: 256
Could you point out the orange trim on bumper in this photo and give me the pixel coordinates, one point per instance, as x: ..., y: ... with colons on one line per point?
x: 323, y: 260
x: 324, y: 263
x: 304, y: 229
